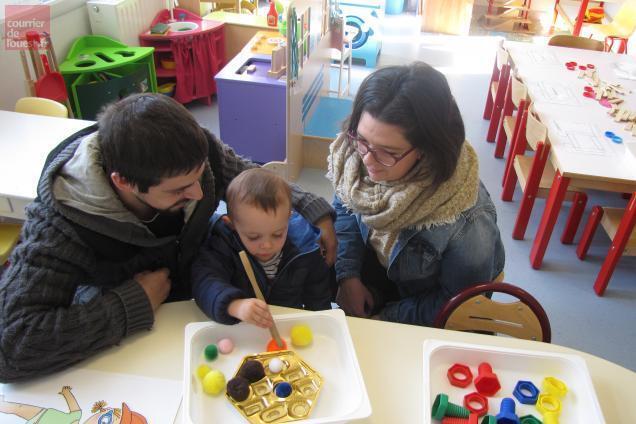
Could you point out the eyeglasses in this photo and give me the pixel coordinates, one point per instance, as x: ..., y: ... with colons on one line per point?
x: 380, y: 155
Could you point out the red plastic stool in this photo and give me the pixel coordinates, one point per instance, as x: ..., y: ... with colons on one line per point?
x: 622, y: 43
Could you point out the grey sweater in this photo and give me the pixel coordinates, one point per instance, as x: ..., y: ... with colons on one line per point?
x: 69, y: 290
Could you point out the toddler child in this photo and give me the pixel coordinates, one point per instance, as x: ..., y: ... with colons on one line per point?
x: 282, y: 247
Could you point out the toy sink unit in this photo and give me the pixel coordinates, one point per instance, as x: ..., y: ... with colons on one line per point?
x: 343, y: 395
x: 578, y: 405
x: 182, y: 26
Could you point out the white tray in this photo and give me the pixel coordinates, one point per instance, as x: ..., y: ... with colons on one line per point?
x: 343, y: 396
x: 580, y: 405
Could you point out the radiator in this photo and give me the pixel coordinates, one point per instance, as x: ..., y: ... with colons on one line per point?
x: 123, y: 20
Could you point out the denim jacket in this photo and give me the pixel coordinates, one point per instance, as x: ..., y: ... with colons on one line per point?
x: 428, y: 266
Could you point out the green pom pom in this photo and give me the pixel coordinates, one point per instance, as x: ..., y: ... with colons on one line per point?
x: 211, y: 352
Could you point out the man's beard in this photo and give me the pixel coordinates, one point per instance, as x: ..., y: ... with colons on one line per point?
x: 174, y: 209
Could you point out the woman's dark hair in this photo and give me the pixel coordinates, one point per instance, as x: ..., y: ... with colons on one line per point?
x: 417, y: 99
x: 148, y: 137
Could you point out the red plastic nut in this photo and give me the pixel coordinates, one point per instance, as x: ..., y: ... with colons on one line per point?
x: 487, y: 382
x: 459, y: 375
x: 476, y: 403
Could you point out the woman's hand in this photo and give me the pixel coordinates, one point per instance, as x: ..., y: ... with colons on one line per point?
x: 251, y: 310
x: 328, y: 240
x: 354, y: 298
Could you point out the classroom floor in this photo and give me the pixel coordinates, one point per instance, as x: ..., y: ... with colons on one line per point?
x: 579, y: 319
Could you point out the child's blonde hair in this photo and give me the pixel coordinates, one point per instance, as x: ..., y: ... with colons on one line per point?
x: 258, y: 187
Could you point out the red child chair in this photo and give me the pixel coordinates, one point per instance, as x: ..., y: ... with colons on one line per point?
x: 619, y: 225
x: 535, y: 175
x: 497, y: 91
x: 516, y: 98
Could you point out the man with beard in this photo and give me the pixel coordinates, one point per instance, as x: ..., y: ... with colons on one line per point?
x: 122, y: 208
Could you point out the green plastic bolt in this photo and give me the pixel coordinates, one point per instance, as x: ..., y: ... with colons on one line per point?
x: 529, y: 419
x: 489, y: 419
x: 443, y: 408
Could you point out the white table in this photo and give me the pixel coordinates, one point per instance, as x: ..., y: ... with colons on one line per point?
x: 25, y: 142
x: 608, y: 166
x: 380, y: 346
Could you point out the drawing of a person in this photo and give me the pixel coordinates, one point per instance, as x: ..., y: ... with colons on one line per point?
x: 38, y: 415
x: 107, y: 415
x: 102, y: 414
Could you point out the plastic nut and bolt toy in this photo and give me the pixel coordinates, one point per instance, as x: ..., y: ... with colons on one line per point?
x: 459, y: 375
x: 554, y: 386
x: 526, y: 392
x: 487, y: 382
x: 476, y: 403
x: 443, y: 408
x: 489, y: 419
x: 548, y: 404
x: 472, y: 419
x: 507, y: 412
x: 550, y: 418
x: 529, y: 419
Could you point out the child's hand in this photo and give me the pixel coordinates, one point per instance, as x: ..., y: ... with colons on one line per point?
x: 251, y: 310
x: 65, y: 389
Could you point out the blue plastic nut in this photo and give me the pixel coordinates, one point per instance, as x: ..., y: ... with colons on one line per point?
x: 526, y: 392
x: 507, y: 412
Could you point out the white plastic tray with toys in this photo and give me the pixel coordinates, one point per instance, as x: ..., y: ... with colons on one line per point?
x: 342, y: 395
x: 578, y: 405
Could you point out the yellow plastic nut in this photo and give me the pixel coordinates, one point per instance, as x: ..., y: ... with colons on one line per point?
x: 554, y: 386
x: 548, y: 404
x: 550, y: 418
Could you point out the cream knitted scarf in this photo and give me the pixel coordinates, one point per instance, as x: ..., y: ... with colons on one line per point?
x: 408, y: 203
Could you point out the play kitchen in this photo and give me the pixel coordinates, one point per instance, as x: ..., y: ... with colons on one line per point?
x: 188, y: 52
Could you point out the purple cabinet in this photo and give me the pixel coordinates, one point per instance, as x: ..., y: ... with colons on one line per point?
x: 252, y: 108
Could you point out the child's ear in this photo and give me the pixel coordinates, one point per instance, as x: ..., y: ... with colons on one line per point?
x: 228, y: 221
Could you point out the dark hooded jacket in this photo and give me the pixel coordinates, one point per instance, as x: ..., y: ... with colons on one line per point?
x: 69, y: 291
x: 302, y: 280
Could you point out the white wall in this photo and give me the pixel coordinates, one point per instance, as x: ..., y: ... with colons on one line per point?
x: 66, y: 26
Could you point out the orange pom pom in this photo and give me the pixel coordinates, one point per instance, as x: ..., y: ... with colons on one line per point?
x: 272, y: 346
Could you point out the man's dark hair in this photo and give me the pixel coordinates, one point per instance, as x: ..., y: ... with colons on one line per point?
x: 417, y: 99
x: 148, y: 137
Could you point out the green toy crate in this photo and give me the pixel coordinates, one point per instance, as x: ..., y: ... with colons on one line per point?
x: 98, y: 70
x: 95, y: 90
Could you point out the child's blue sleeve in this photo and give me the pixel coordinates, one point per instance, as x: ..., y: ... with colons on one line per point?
x: 212, y: 287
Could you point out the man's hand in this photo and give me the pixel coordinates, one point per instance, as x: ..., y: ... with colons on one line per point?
x: 328, y: 240
x: 156, y: 284
x: 354, y: 298
x: 251, y: 310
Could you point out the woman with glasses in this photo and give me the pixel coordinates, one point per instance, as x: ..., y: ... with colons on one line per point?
x: 415, y: 224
